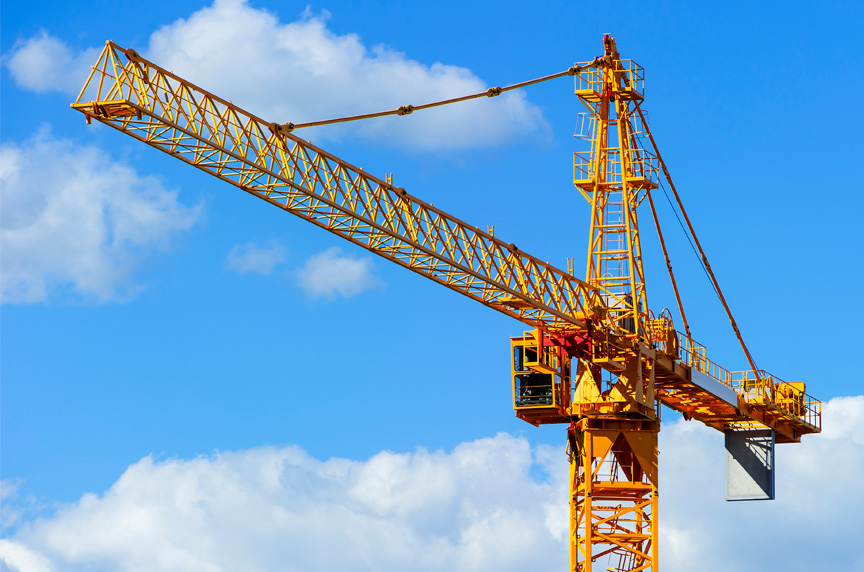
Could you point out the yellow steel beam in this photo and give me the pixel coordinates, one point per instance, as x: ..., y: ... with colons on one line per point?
x: 169, y: 113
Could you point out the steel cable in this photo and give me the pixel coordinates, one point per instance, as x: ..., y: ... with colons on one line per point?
x: 409, y: 109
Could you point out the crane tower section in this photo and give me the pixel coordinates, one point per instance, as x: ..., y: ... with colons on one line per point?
x: 608, y: 398
x: 614, y: 175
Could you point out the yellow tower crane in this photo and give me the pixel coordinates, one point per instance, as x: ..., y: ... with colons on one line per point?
x: 596, y: 358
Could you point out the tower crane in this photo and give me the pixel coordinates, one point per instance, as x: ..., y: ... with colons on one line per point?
x: 596, y: 358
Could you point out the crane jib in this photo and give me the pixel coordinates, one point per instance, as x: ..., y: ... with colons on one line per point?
x: 159, y: 108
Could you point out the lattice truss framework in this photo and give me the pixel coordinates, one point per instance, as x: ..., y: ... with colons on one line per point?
x: 615, y: 177
x: 163, y: 110
x: 614, y: 499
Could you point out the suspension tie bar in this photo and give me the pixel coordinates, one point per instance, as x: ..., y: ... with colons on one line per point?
x: 409, y: 109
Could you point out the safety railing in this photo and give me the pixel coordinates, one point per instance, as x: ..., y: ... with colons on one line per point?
x: 586, y: 126
x: 812, y: 411
x: 694, y: 354
x: 764, y: 388
x: 589, y: 81
x: 769, y: 389
x: 584, y: 166
x: 633, y: 77
x: 657, y: 329
x: 630, y: 82
x: 644, y: 165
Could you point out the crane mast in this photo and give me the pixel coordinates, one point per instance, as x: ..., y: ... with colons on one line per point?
x: 595, y: 358
x: 614, y: 176
x: 613, y: 450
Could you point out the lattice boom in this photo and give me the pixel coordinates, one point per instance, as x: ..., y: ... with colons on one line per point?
x: 163, y: 110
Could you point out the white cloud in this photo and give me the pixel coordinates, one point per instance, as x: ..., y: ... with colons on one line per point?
x: 301, y: 71
x: 19, y: 557
x: 813, y: 525
x: 473, y: 509
x: 44, y: 63
x: 73, y: 217
x: 490, y: 504
x: 329, y: 274
x: 251, y: 258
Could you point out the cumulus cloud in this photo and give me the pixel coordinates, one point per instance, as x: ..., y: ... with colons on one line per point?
x: 18, y: 557
x: 812, y: 525
x: 74, y: 218
x: 473, y: 509
x: 44, y: 63
x: 251, y: 258
x: 490, y: 504
x: 313, y: 71
x: 301, y: 71
x: 329, y: 274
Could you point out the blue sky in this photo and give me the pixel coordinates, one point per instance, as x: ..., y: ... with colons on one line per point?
x: 155, y: 318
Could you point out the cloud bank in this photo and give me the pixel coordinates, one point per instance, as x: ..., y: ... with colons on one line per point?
x: 491, y: 504
x: 475, y: 508
x: 301, y: 71
x: 74, y: 219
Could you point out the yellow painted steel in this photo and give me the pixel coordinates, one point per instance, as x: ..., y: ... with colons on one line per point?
x: 613, y: 495
x: 540, y: 371
x: 613, y: 436
x: 157, y: 107
x: 597, y: 358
